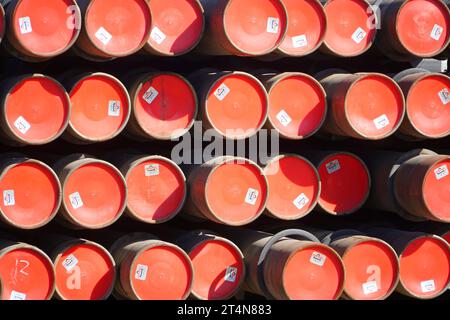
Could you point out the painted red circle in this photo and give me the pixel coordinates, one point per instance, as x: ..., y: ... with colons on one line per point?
x: 436, y: 190
x: 118, y: 27
x: 294, y: 187
x: 90, y: 278
x: 425, y: 267
x: 297, y: 106
x: 30, y: 193
x: 177, y: 25
x: 371, y: 270
x: 168, y: 274
x: 306, y: 27
x: 45, y: 28
x: 255, y: 27
x: 94, y: 194
x: 37, y: 109
x: 304, y: 280
x: 155, y: 197
x: 423, y: 26
x: 427, y: 105
x: 350, y: 29
x: 218, y: 269
x: 26, y: 275
x: 93, y: 115
x: 345, y: 184
x: 375, y: 106
x: 165, y: 106
x: 236, y: 192
x: 237, y: 105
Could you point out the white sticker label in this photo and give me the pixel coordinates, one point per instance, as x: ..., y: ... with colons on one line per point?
x: 273, y: 25
x: 22, y: 125
x: 301, y: 201
x: 441, y: 172
x: 8, y: 198
x: 318, y: 259
x: 103, y: 35
x: 359, y: 35
x: 231, y: 274
x: 75, y: 200
x: 428, y: 286
x: 284, y: 118
x: 222, y: 91
x: 370, y: 287
x: 17, y: 295
x: 252, y: 196
x: 381, y: 122
x: 444, y: 95
x: 150, y: 95
x: 113, y: 108
x: 436, y: 33
x: 333, y: 166
x: 70, y: 262
x: 141, y: 272
x: 151, y: 170
x: 25, y: 25
x: 299, y: 41
x: 444, y: 65
x: 157, y: 35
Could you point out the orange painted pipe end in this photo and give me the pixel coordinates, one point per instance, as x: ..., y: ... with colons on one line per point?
x: 219, y: 269
x: 375, y: 106
x: 307, y: 24
x: 349, y: 29
x: 236, y: 192
x: 423, y: 27
x: 165, y: 274
x: 177, y: 26
x: 156, y: 190
x: 345, y: 184
x: 84, y: 271
x: 315, y: 272
x: 37, y: 110
x: 255, y: 27
x: 435, y: 188
x: 45, y: 28
x: 165, y: 106
x: 372, y: 270
x: 427, y: 105
x: 294, y: 187
x: 27, y: 274
x: 118, y: 28
x: 100, y: 107
x: 367, y: 106
x: 425, y: 267
x: 237, y: 106
x: 297, y: 106
x: 31, y: 195
x: 95, y: 194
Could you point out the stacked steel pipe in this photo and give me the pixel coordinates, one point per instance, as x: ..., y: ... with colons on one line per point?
x: 93, y: 206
